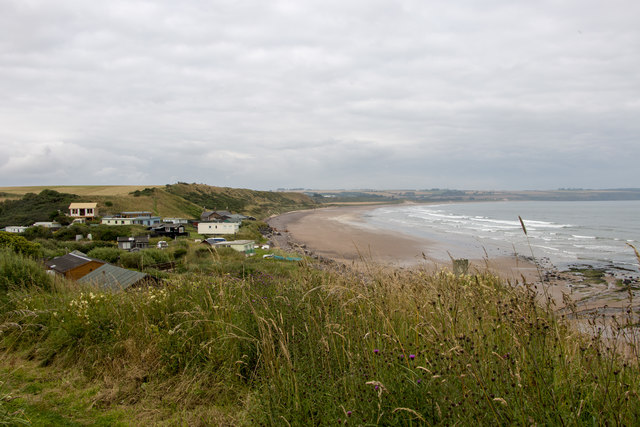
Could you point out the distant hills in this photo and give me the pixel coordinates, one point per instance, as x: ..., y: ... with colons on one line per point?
x: 26, y: 205
x: 448, y: 195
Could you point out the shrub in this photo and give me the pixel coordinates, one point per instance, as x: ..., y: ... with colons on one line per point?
x: 144, y: 258
x: 179, y: 253
x: 19, y: 271
x: 110, y: 255
x: 112, y: 232
x: 250, y: 230
x: 69, y: 233
x: 19, y: 244
x: 37, y: 232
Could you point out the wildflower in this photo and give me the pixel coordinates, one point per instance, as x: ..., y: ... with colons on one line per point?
x: 412, y: 356
x: 349, y: 413
x: 419, y: 380
x: 376, y: 351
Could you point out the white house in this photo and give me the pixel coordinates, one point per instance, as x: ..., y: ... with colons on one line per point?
x: 53, y: 225
x: 218, y: 227
x: 83, y: 210
x: 15, y: 228
x: 109, y: 220
x: 132, y: 218
x: 246, y: 246
x: 176, y: 220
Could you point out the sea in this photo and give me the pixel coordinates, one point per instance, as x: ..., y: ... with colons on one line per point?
x: 565, y: 234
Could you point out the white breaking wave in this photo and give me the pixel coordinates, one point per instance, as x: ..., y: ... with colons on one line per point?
x: 562, y: 231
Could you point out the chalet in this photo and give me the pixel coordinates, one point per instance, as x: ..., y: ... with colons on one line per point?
x: 53, y: 225
x: 236, y: 218
x: 176, y: 220
x: 245, y: 246
x: 73, y: 265
x: 132, y: 244
x: 83, y: 210
x: 168, y: 230
x: 132, y: 218
x: 218, y: 227
x: 113, y: 278
x: 15, y: 228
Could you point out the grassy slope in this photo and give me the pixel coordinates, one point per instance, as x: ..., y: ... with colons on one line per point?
x: 260, y: 204
x: 250, y: 341
x: 34, y: 207
x: 180, y: 200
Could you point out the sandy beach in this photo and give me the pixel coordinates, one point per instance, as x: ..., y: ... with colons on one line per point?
x: 342, y: 235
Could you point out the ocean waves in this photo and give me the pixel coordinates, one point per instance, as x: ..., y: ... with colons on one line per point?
x: 564, y: 232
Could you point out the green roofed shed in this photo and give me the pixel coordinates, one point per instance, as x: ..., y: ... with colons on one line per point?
x: 110, y: 277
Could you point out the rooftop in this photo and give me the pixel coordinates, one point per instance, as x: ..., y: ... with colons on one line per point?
x: 113, y: 278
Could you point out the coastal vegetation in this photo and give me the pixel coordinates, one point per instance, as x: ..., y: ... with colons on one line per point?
x: 225, y: 339
x: 260, y: 204
x: 177, y: 200
x: 32, y: 207
x: 229, y: 340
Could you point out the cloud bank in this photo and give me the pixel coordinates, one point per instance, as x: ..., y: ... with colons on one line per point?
x: 321, y: 94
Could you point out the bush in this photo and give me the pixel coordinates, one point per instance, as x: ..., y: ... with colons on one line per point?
x: 110, y: 255
x: 38, y: 232
x: 69, y: 233
x: 250, y: 230
x: 144, y: 258
x: 19, y: 244
x: 19, y: 271
x: 179, y: 253
x: 112, y: 232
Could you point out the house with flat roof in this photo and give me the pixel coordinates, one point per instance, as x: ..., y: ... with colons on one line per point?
x: 245, y: 246
x: 133, y: 243
x: 168, y: 229
x: 175, y: 220
x: 53, y: 225
x: 132, y: 218
x: 218, y: 227
x: 83, y: 210
x: 15, y: 228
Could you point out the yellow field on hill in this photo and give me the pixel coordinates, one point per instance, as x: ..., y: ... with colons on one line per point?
x: 80, y: 190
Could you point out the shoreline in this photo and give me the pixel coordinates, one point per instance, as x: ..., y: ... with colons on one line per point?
x: 341, y: 235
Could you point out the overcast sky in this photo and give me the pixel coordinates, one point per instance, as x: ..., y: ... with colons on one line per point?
x: 494, y: 94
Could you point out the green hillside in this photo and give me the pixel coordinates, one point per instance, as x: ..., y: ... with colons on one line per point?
x: 178, y: 200
x: 34, y: 207
x: 260, y: 204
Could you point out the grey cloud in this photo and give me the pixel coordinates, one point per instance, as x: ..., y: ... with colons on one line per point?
x: 280, y: 94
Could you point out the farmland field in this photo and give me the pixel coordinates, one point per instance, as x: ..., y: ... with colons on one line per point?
x: 80, y: 190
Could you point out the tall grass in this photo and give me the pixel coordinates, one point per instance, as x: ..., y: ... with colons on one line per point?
x: 305, y: 347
